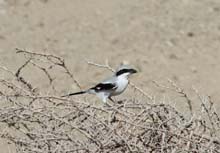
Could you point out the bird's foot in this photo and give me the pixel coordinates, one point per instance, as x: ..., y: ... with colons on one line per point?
x: 120, y: 102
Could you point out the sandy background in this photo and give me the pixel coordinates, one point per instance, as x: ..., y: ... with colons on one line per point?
x: 163, y: 39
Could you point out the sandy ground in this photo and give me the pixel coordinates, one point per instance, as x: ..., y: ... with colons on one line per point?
x: 163, y: 39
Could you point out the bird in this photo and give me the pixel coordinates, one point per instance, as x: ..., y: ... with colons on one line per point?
x: 112, y: 86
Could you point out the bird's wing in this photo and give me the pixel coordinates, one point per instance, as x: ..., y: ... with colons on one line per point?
x: 104, y: 87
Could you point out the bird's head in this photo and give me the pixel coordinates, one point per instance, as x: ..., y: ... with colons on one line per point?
x: 125, y: 71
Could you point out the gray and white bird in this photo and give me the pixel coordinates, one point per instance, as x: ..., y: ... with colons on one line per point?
x: 111, y: 86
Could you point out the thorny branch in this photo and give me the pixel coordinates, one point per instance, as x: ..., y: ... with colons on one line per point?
x: 48, y: 123
x: 55, y: 60
x: 174, y: 87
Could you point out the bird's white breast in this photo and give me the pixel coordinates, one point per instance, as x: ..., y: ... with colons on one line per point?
x: 122, y: 83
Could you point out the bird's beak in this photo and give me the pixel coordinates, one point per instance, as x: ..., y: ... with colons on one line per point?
x: 133, y: 71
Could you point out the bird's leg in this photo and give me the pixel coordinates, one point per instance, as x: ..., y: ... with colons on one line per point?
x: 119, y: 102
x: 104, y: 98
x: 110, y: 98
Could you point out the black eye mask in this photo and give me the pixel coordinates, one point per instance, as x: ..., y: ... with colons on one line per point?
x: 122, y: 71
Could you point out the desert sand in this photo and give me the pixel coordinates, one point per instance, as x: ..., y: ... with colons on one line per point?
x: 163, y: 39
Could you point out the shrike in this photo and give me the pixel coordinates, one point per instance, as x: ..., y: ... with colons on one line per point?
x: 112, y: 86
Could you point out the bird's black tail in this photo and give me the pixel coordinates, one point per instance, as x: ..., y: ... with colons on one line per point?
x: 76, y: 93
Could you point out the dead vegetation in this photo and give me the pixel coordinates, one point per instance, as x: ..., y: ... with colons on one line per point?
x: 40, y: 123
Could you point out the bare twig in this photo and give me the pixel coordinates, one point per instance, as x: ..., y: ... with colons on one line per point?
x: 106, y: 65
x: 178, y: 90
x: 53, y: 59
x: 48, y: 123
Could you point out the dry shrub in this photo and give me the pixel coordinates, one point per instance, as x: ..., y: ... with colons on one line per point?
x: 39, y: 123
